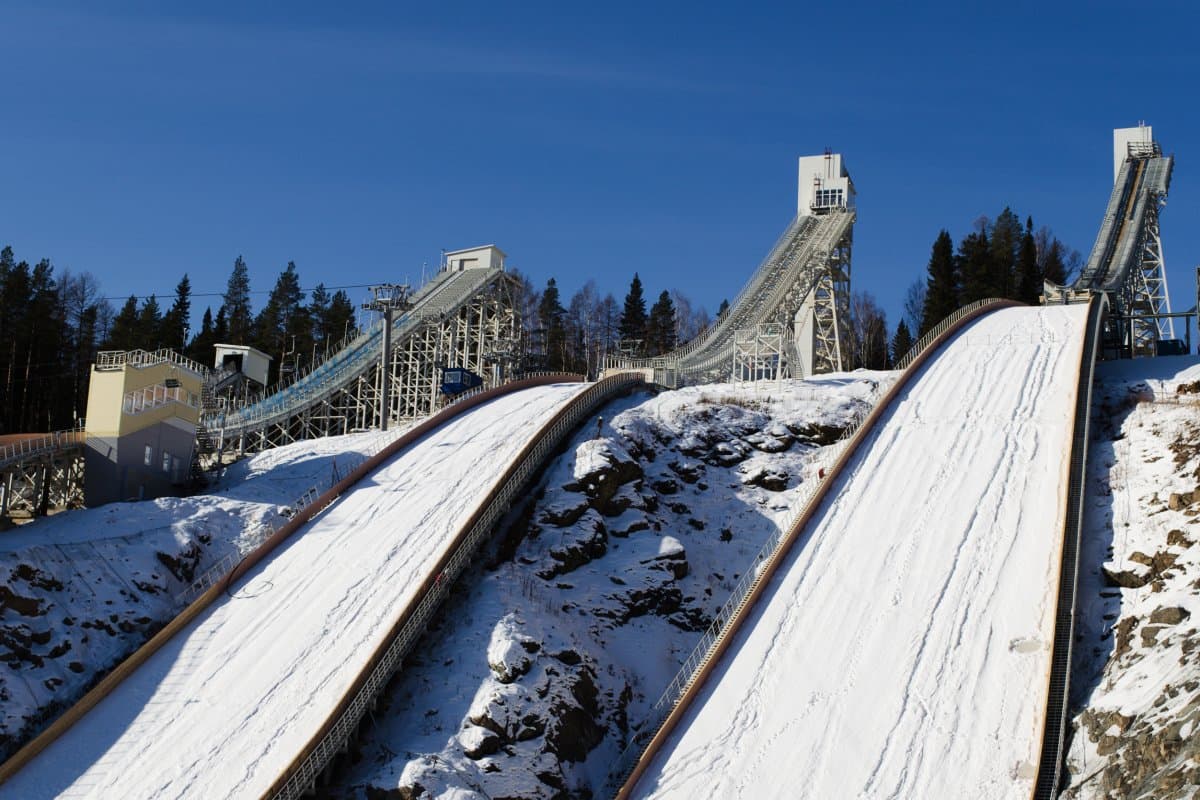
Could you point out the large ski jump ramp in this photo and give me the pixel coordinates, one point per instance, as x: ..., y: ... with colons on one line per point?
x: 902, y: 649
x: 223, y: 708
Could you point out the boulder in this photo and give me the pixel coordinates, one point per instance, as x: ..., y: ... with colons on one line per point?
x: 1172, y: 615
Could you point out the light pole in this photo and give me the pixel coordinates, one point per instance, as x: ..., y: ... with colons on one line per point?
x: 387, y: 298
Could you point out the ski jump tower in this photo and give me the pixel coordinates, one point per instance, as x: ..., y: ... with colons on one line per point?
x: 1126, y: 262
x: 789, y: 319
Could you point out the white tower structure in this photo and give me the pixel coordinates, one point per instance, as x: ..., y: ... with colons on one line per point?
x: 824, y: 185
x: 1128, y: 142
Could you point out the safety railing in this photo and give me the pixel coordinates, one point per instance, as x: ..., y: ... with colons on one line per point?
x: 41, y: 444
x: 156, y: 396
x: 442, y: 297
x: 805, y: 504
x: 797, y: 228
x: 800, y: 244
x: 349, y: 462
x: 139, y: 359
x: 338, y: 731
x: 1054, y: 731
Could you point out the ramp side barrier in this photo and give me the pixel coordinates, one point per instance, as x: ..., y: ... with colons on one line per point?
x: 1057, y: 717
x: 334, y: 736
x: 39, y: 444
x: 670, y: 707
x: 268, y: 545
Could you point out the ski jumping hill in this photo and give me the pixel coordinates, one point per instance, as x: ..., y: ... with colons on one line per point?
x: 223, y: 708
x: 903, y: 647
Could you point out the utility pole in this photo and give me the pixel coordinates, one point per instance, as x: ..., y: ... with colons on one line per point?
x: 387, y: 299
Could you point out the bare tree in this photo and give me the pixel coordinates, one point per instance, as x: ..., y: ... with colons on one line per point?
x: 868, y: 333
x: 914, y: 304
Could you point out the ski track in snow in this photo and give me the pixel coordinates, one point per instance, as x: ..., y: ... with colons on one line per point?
x: 224, y: 706
x: 902, y: 649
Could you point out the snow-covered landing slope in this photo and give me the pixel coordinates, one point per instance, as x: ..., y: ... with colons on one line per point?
x: 902, y: 649
x: 223, y: 708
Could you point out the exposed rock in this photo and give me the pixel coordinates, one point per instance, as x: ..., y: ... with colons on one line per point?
x: 1169, y: 616
x: 583, y: 542
x: 672, y: 558
x: 573, y: 729
x: 478, y: 742
x: 817, y: 434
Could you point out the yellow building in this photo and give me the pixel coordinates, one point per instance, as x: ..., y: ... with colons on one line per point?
x: 142, y: 413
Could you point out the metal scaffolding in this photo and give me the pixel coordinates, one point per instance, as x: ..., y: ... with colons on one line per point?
x: 807, y: 271
x: 467, y: 320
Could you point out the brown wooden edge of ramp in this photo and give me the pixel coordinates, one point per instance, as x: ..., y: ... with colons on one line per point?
x: 791, y: 537
x: 135, y: 660
x: 1055, y: 710
x: 579, y: 407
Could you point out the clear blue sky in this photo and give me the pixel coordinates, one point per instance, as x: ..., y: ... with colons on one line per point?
x: 139, y: 141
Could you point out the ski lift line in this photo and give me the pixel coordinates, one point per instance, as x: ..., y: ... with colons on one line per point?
x: 185, y: 617
x: 675, y: 700
x: 166, y: 295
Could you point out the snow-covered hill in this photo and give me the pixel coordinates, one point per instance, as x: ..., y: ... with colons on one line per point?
x: 81, y: 590
x: 1138, y: 645
x: 529, y: 685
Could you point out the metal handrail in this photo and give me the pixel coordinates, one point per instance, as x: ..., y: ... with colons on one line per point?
x: 729, y: 611
x: 140, y: 359
x: 42, y: 444
x: 360, y: 357
x: 1058, y: 684
x: 798, y: 245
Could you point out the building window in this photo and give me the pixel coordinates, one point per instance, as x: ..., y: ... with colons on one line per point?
x: 166, y: 462
x: 828, y: 198
x: 148, y: 459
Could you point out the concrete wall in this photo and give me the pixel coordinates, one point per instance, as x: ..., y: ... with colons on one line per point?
x: 116, y: 469
x: 488, y: 257
x: 116, y: 445
x: 822, y: 173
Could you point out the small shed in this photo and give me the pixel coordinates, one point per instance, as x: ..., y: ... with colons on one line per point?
x: 242, y: 358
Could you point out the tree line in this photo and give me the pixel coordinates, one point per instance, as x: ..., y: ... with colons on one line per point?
x: 999, y: 257
x: 579, y: 336
x: 51, y: 328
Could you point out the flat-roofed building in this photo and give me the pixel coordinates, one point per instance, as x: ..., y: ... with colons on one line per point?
x: 142, y: 413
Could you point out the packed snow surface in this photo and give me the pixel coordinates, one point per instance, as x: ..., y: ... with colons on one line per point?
x: 902, y: 649
x: 223, y: 708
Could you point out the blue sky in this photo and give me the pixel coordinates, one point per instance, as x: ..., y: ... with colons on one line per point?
x: 139, y: 141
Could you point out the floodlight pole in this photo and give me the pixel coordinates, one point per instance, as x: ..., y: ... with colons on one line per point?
x: 387, y: 298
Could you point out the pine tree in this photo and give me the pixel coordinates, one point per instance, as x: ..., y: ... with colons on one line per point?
x: 282, y: 329
x: 1029, y: 276
x: 175, y: 322
x: 237, y: 315
x: 550, y: 315
x: 1006, y: 235
x: 941, y: 288
x: 201, y: 347
x: 902, y: 342
x: 975, y: 266
x: 221, y: 327
x: 149, y: 325
x: 660, y: 327
x: 1055, y: 269
x: 633, y: 318
x: 318, y: 314
x: 722, y: 309
x: 123, y: 334
x: 339, y: 322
